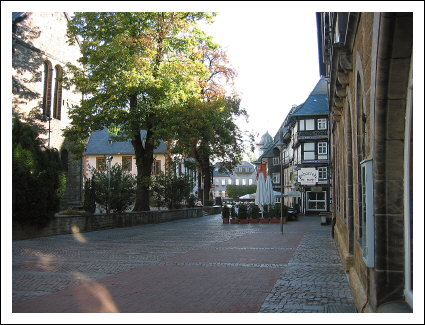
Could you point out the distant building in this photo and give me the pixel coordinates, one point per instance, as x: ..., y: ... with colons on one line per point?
x: 243, y: 174
x: 301, y: 145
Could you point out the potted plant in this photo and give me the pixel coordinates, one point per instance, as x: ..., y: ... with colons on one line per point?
x: 233, y: 215
x: 265, y: 218
x: 275, y: 214
x: 225, y: 213
x: 254, y: 214
x: 243, y: 213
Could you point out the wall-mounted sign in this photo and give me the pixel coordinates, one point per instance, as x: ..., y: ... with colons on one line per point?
x: 308, y: 176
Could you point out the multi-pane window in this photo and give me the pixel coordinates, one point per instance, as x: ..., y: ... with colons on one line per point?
x: 223, y: 182
x: 316, y: 201
x: 276, y: 178
x: 243, y: 181
x: 156, y: 167
x: 101, y: 163
x: 309, y: 153
x: 323, y: 172
x: 321, y: 124
x: 237, y: 181
x: 229, y: 182
x: 250, y: 181
x: 276, y: 161
x: 127, y: 163
x: 322, y: 148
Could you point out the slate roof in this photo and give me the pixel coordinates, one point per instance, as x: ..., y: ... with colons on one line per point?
x: 16, y: 15
x: 98, y: 144
x: 316, y: 103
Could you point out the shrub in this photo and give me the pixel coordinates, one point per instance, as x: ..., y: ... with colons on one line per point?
x: 233, y: 214
x: 37, y: 177
x: 225, y: 211
x: 116, y: 187
x: 254, y: 212
x: 191, y: 200
x: 243, y: 211
x: 171, y: 190
x: 89, y: 196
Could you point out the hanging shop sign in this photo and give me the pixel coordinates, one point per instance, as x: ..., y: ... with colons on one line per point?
x: 308, y: 176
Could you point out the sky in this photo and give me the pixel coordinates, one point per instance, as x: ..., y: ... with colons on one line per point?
x: 274, y: 51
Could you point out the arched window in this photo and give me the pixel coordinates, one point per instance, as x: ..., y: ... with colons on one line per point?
x: 57, y: 103
x: 47, y: 89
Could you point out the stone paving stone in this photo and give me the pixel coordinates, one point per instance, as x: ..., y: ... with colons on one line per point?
x: 191, y: 265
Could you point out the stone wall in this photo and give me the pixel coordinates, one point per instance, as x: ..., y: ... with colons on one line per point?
x: 67, y: 224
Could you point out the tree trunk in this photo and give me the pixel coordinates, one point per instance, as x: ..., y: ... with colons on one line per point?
x: 206, y: 175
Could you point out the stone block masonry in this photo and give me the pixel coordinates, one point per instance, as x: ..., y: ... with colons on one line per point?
x: 75, y: 223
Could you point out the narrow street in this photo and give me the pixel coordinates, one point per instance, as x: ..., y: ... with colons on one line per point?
x: 194, y: 265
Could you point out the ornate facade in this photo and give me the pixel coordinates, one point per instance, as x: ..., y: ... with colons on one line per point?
x: 368, y: 60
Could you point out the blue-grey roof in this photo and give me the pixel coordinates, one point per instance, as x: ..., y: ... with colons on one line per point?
x: 316, y: 103
x: 99, y: 145
x: 16, y: 15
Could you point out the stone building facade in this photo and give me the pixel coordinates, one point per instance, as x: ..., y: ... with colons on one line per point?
x: 368, y: 60
x: 40, y: 52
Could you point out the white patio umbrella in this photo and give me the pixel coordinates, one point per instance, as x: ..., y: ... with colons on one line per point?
x: 259, y: 194
x: 269, y: 193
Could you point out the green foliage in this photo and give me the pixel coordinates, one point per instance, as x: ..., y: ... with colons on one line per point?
x: 233, y: 214
x: 239, y: 190
x: 254, y: 212
x: 89, y: 196
x: 171, y: 190
x: 243, y: 211
x: 116, y: 187
x: 275, y: 211
x: 225, y: 211
x: 191, y: 200
x: 140, y: 68
x: 37, y: 176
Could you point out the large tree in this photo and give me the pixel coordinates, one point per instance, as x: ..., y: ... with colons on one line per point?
x: 207, y: 131
x: 139, y: 67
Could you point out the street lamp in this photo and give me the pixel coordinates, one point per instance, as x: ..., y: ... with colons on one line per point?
x: 109, y: 159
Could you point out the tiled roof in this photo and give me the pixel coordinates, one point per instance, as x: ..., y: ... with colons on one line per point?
x: 16, y: 15
x: 316, y: 103
x: 99, y: 145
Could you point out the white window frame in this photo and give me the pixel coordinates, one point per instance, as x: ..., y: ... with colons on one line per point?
x: 310, y: 151
x: 229, y: 181
x: 276, y: 178
x: 276, y: 161
x: 301, y: 125
x: 237, y: 181
x: 323, y: 170
x: 322, y: 124
x: 223, y: 182
x: 250, y: 181
x: 309, y: 125
x: 322, y: 148
x: 308, y: 201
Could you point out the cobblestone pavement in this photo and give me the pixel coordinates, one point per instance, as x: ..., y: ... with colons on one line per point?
x: 191, y: 265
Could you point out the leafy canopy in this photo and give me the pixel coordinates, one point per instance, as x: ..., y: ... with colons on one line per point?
x: 137, y: 68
